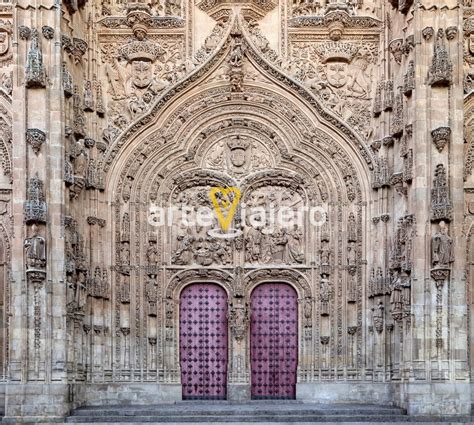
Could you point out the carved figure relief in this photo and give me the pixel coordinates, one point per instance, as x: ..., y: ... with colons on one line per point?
x: 35, y: 247
x: 238, y: 155
x: 441, y: 207
x: 340, y: 74
x: 239, y: 316
x: 35, y: 75
x: 442, y: 247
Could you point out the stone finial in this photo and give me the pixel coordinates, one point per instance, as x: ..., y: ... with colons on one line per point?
x: 441, y: 69
x: 35, y: 75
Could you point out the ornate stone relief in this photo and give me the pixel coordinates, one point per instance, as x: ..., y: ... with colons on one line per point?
x: 441, y: 207
x: 260, y: 143
x: 68, y: 84
x: 74, y: 47
x: 222, y: 9
x: 401, y: 251
x: 35, y: 74
x: 340, y: 74
x: 35, y: 206
x: 239, y: 318
x: 237, y: 155
x: 35, y: 138
x: 150, y: 14
x: 441, y: 137
x: 140, y: 70
x: 441, y: 69
x: 6, y: 53
x: 344, y: 13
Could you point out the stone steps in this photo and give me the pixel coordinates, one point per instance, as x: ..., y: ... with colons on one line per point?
x: 225, y: 412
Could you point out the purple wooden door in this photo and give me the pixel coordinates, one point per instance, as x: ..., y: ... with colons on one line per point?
x: 203, y: 342
x: 274, y: 341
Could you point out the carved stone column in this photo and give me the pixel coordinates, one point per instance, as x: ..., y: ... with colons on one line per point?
x: 239, y: 320
x: 38, y: 334
x: 435, y: 195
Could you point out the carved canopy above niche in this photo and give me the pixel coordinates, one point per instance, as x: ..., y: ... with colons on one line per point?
x: 255, y: 9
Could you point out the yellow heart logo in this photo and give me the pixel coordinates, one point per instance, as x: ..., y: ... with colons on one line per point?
x: 225, y: 201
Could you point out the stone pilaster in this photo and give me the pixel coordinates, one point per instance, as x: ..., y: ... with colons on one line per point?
x: 38, y: 377
x: 436, y: 373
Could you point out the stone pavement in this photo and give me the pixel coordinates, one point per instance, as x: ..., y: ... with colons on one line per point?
x: 262, y: 412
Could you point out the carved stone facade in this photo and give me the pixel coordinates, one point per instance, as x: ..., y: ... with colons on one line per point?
x: 110, y: 109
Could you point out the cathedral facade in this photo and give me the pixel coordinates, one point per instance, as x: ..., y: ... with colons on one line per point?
x: 112, y: 110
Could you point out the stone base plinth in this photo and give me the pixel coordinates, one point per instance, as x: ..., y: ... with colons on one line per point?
x: 346, y: 392
x: 238, y: 392
x: 436, y: 399
x: 36, y: 403
x: 125, y: 394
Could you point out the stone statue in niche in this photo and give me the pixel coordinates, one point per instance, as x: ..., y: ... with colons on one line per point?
x: 127, y: 188
x: 81, y: 160
x: 125, y: 254
x: 406, y: 290
x: 295, y: 245
x: 351, y: 254
x: 239, y: 282
x: 151, y: 295
x: 124, y: 293
x: 308, y: 312
x: 325, y: 253
x: 152, y: 254
x: 35, y: 247
x: 325, y: 291
x: 378, y: 316
x: 396, y: 292
x: 89, y: 103
x: 236, y: 56
x: 81, y: 290
x: 442, y: 247
x: 70, y: 292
